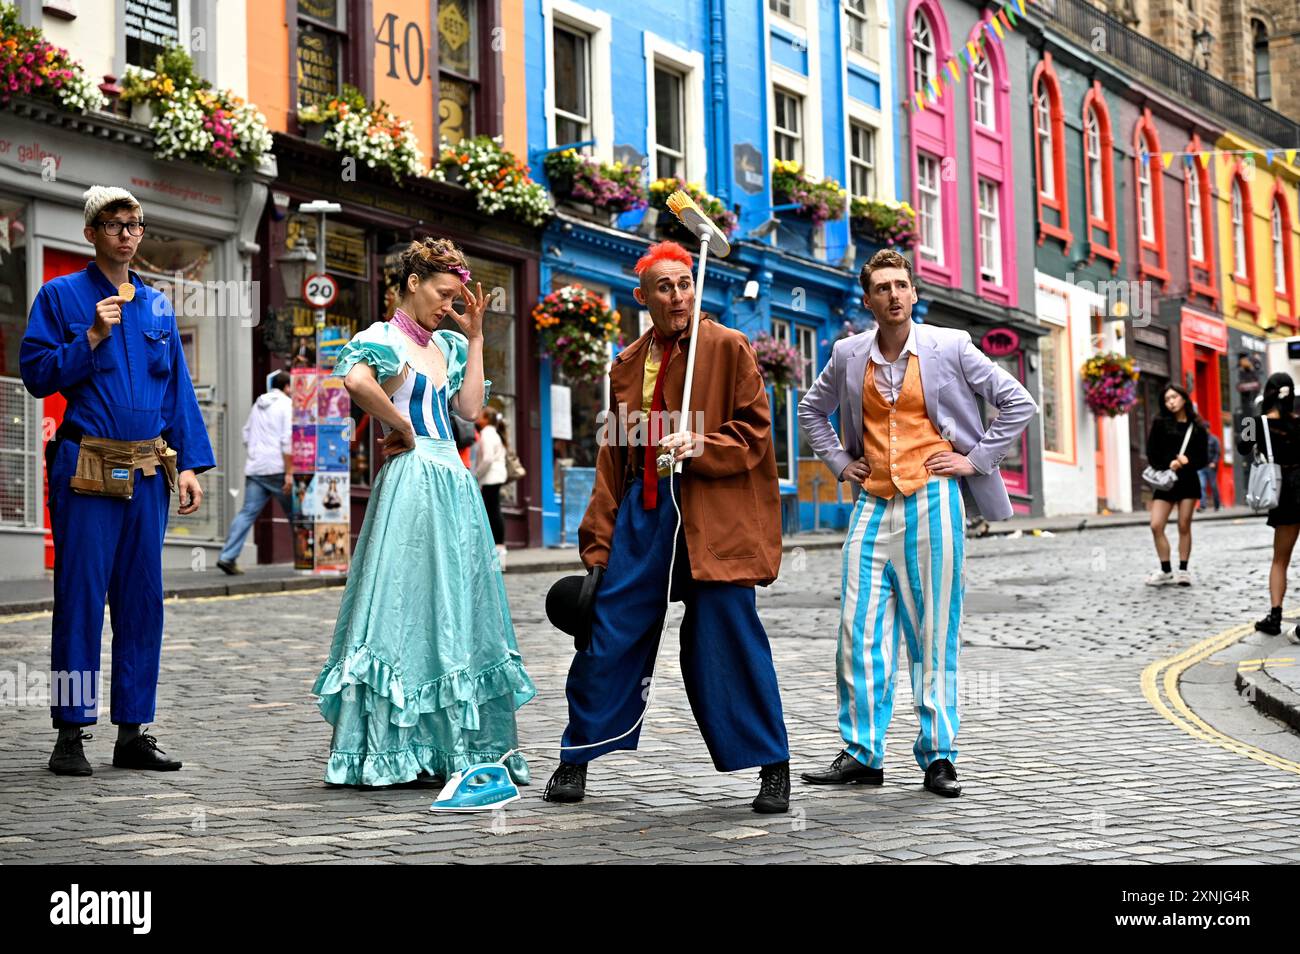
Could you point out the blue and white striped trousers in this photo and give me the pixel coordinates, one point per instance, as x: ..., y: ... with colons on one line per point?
x: 904, y: 572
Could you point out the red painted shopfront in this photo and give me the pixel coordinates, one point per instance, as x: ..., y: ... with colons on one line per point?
x: 1204, y: 355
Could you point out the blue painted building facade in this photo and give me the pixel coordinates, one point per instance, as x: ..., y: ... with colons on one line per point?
x: 714, y: 92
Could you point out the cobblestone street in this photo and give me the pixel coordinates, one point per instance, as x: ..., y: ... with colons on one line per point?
x: 1064, y: 757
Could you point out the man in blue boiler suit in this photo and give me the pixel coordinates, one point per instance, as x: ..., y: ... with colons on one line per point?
x: 131, y: 434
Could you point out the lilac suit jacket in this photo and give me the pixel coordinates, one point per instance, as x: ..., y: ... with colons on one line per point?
x: 953, y: 373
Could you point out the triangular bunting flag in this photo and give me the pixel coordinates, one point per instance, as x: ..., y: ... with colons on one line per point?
x: 1010, y: 13
x: 1202, y: 158
x: 1146, y: 157
x: 997, y: 27
x: 920, y: 102
x: 988, y: 28
x: 1268, y: 156
x: 1166, y: 159
x: 973, y: 52
x: 964, y: 59
x: 1002, y: 15
x: 952, y: 71
x: 934, y: 90
x: 1290, y: 155
x: 1187, y: 161
x: 1020, y: 5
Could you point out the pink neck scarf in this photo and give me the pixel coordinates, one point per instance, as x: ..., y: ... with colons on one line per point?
x: 411, y: 328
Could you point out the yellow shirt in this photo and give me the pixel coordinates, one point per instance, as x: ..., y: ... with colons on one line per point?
x: 648, y: 396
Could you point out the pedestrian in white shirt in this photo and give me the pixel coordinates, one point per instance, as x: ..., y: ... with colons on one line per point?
x: 490, y: 470
x: 268, y: 469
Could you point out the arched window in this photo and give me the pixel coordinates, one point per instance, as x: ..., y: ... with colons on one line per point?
x: 1243, y: 242
x: 992, y: 172
x: 933, y: 144
x: 1263, y: 73
x: 1200, y: 229
x: 922, y: 52
x: 985, y: 111
x: 1283, y: 264
x: 1152, y: 252
x: 1049, y: 152
x: 1099, y: 182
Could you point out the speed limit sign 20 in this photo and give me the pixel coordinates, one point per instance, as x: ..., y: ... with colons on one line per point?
x: 319, y: 291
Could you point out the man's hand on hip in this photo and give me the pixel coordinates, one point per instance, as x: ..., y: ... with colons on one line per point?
x: 950, y: 464
x: 857, y: 471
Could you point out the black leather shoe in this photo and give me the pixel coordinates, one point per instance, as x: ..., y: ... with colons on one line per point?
x: 68, y: 757
x: 568, y: 784
x: 941, y: 778
x: 142, y: 752
x: 773, y: 789
x: 1270, y: 625
x: 229, y: 568
x: 846, y: 770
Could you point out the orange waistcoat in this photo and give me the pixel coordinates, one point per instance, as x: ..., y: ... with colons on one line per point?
x: 898, y: 438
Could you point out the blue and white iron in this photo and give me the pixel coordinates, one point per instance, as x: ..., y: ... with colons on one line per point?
x: 480, y: 788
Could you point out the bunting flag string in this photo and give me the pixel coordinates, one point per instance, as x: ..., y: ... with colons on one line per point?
x: 1205, y: 156
x: 992, y: 30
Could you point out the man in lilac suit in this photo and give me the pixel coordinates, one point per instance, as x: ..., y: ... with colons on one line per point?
x: 907, y: 395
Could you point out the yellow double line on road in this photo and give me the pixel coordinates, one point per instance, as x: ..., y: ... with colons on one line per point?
x: 1165, y: 673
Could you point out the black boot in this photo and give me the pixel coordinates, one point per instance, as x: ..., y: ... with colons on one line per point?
x: 142, y: 752
x: 773, y: 789
x: 568, y: 784
x: 68, y: 757
x: 1272, y: 623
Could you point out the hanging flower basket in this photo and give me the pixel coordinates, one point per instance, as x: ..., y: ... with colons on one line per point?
x: 607, y: 187
x: 576, y: 327
x: 1110, y: 383
x: 500, y: 181
x: 370, y: 133
x: 32, y: 66
x: 883, y: 221
x: 191, y: 120
x: 821, y: 201
x: 779, y: 361
x: 710, y: 205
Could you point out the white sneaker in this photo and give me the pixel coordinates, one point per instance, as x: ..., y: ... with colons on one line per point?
x: 1183, y: 577
x: 1160, y: 578
x: 1293, y: 635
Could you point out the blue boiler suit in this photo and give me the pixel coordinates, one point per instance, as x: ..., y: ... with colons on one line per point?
x: 133, y: 387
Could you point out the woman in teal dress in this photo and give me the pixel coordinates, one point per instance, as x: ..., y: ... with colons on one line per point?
x: 424, y: 675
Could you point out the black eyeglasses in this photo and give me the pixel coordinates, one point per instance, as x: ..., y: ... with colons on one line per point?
x: 115, y: 228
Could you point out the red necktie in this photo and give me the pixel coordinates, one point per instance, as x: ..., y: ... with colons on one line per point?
x: 650, y: 470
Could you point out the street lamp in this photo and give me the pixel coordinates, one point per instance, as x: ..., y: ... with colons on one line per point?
x: 293, y: 266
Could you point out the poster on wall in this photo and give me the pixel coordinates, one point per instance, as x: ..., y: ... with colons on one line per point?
x: 322, y: 431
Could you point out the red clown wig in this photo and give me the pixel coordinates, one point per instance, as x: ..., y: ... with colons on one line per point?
x: 663, y: 252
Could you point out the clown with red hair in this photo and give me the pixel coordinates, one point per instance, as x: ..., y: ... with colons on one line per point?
x: 730, y: 541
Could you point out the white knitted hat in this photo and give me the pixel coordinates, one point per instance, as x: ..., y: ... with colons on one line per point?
x: 99, y: 196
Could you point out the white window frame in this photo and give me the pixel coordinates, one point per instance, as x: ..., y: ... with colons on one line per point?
x: 990, y: 241
x: 801, y: 152
x: 1046, y: 147
x: 857, y: 21
x: 1279, y: 252
x: 985, y: 103
x: 1147, y: 201
x: 1238, y: 231
x: 690, y: 64
x: 928, y: 66
x: 856, y: 162
x: 1092, y: 155
x: 805, y: 342
x: 808, y: 87
x: 596, y: 24
x: 797, y: 10
x: 929, y: 203
x: 1196, y: 234
x: 184, y: 24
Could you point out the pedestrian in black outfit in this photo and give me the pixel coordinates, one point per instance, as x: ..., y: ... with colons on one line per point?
x: 1284, y: 435
x: 1176, y: 415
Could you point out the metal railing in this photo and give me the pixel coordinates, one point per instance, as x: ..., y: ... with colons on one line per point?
x: 1138, y: 54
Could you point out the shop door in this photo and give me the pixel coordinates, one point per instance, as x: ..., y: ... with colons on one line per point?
x: 55, y: 263
x: 1207, y: 398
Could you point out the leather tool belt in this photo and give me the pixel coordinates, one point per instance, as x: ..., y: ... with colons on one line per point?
x: 106, y: 468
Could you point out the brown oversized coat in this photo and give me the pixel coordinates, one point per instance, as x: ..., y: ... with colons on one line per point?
x: 731, y: 504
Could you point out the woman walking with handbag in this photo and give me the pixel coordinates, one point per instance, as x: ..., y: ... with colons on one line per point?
x: 1273, y: 437
x: 1177, y: 448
